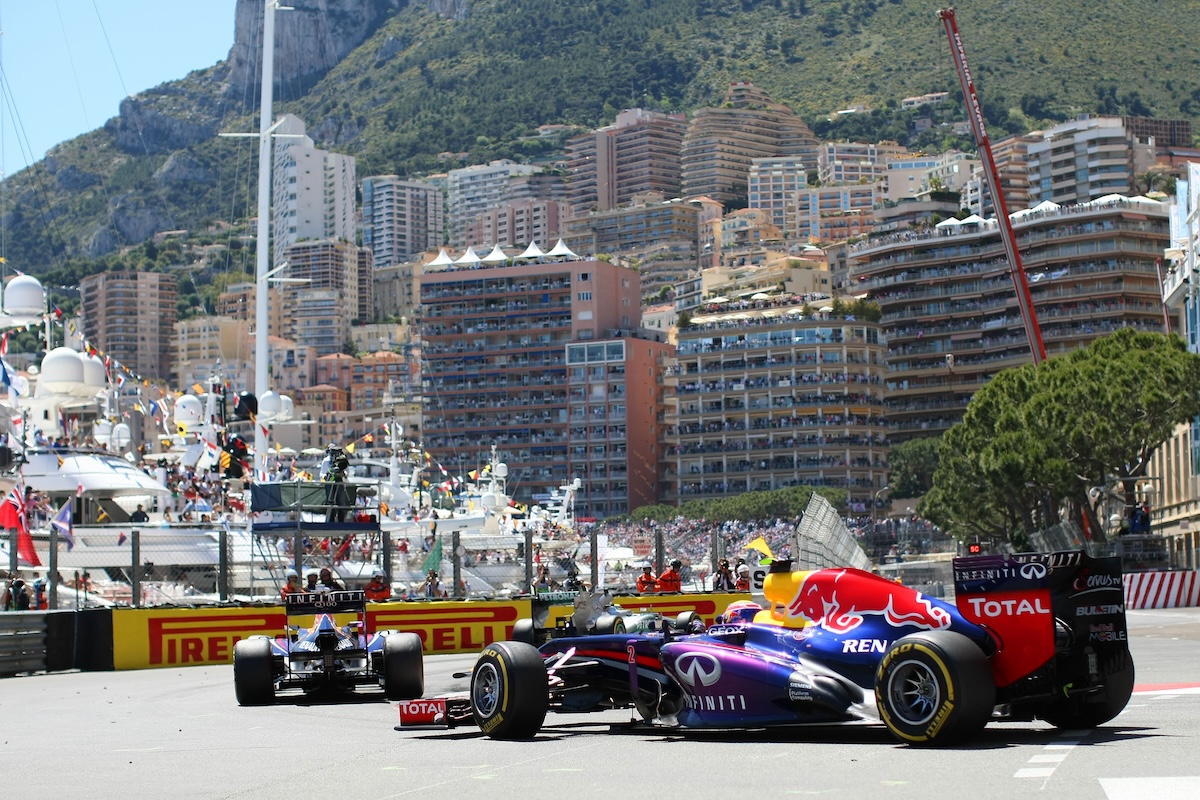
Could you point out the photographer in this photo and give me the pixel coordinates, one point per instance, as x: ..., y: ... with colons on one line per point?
x: 723, y: 580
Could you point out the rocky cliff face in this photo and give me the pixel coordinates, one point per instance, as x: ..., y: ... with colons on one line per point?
x: 309, y: 40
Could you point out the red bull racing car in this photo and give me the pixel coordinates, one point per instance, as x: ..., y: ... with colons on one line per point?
x: 1032, y: 636
x: 326, y: 655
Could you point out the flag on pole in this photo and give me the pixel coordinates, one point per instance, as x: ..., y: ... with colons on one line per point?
x: 62, y: 524
x: 12, y: 515
x: 434, y: 559
x: 121, y: 537
x: 760, y: 544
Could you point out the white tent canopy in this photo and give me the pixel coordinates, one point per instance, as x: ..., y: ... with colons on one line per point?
x: 533, y: 251
x: 1042, y: 207
x: 468, y: 257
x: 495, y: 257
x: 561, y: 250
x: 974, y: 219
x: 948, y: 223
x: 442, y: 260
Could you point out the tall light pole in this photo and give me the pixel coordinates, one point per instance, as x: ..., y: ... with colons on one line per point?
x: 263, y: 235
x: 875, y: 504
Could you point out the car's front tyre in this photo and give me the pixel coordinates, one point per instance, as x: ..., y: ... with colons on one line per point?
x: 509, y: 691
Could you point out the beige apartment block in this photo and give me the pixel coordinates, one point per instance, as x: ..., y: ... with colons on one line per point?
x: 773, y: 393
x: 721, y: 143
x: 950, y: 315
x: 495, y: 371
x: 130, y: 317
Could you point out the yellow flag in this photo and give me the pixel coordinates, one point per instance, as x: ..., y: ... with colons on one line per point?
x: 760, y: 544
x: 350, y: 447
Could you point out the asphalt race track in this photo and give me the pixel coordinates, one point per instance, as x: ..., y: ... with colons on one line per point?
x: 178, y: 733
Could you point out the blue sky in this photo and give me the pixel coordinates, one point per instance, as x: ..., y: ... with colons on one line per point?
x: 61, y: 78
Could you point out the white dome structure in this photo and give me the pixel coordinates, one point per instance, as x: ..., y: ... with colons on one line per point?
x: 120, y: 437
x: 268, y: 406
x: 61, y: 372
x: 287, y: 408
x: 24, y: 297
x: 188, y: 410
x: 93, y: 371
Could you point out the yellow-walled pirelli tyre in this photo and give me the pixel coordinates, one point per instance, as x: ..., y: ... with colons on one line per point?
x: 510, y: 690
x: 253, y: 672
x: 935, y: 688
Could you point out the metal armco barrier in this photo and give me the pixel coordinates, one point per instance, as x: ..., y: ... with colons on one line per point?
x: 1162, y: 589
x: 22, y: 642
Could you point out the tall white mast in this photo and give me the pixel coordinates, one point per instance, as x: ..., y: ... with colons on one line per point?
x: 263, y: 236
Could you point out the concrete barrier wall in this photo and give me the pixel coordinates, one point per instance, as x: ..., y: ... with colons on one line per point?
x: 1176, y: 589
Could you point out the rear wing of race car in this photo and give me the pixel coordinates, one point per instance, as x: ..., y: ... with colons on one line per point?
x: 1029, y: 601
x: 303, y: 603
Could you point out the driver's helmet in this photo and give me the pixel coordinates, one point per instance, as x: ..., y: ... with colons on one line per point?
x: 741, y: 611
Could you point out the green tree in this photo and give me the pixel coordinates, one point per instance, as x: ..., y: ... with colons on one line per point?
x: 1036, y: 439
x: 913, y: 464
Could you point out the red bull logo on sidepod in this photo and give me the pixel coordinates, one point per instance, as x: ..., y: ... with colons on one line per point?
x: 839, y: 601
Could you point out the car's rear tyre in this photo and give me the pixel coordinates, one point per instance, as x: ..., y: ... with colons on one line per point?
x: 689, y: 622
x: 934, y: 688
x: 403, y: 667
x: 609, y: 623
x: 524, y: 631
x: 1092, y: 710
x: 253, y: 672
x: 510, y: 692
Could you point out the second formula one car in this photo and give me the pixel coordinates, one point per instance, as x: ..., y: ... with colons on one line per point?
x: 1033, y: 636
x: 326, y: 655
x: 595, y: 612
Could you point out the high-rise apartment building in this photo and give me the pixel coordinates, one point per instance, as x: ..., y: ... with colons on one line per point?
x: 855, y: 162
x: 833, y: 213
x: 317, y: 313
x: 950, y: 316
x: 1011, y: 154
x: 401, y: 218
x: 495, y: 371
x: 1085, y: 159
x: 207, y: 346
x: 473, y: 190
x: 238, y: 302
x: 772, y: 186
x: 772, y: 399
x: 662, y: 236
x: 903, y: 177
x: 640, y: 152
x: 130, y: 316
x: 516, y: 223
x: 312, y: 191
x: 721, y: 143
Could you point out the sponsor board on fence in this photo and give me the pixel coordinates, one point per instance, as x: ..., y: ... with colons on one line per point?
x: 172, y: 637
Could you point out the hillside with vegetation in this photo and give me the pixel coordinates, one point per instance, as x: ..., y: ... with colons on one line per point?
x: 447, y: 83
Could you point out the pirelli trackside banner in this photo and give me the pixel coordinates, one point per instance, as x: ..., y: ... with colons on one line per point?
x: 172, y: 637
